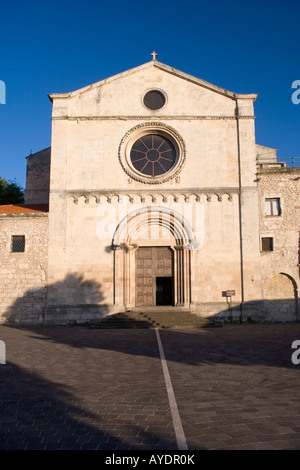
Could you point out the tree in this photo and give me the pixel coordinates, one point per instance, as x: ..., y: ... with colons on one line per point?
x: 10, y: 192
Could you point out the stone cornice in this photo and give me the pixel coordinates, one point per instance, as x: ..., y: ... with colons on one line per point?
x: 23, y: 216
x: 278, y: 170
x: 146, y: 118
x: 137, y: 195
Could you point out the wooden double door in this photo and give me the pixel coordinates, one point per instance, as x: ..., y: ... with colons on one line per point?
x: 154, y: 276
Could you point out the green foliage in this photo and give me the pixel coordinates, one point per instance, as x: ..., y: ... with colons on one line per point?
x: 10, y: 192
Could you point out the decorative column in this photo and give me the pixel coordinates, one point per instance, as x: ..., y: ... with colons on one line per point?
x: 187, y: 277
x: 124, y: 275
x: 181, y: 276
x: 130, y: 276
x: 117, y: 277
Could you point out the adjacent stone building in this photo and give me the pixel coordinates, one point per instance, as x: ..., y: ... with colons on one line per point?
x: 159, y: 197
x: 279, y: 215
x: 23, y: 262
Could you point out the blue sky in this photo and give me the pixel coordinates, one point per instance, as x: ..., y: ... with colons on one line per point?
x: 60, y: 46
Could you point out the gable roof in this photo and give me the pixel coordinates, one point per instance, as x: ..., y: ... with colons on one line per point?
x: 161, y: 66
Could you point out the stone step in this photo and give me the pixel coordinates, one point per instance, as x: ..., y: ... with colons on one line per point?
x: 152, y: 319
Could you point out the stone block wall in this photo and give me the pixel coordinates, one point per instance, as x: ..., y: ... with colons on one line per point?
x: 23, y: 275
x: 280, y: 265
x: 38, y: 177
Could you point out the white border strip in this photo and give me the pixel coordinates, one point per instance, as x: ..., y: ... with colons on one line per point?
x: 2, y: 353
x: 179, y: 433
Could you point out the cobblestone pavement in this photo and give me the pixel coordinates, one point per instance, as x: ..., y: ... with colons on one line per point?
x: 79, y: 388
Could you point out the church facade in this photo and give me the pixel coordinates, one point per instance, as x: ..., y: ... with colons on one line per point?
x: 154, y: 194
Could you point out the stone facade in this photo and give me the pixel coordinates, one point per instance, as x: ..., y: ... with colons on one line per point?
x: 204, y: 213
x: 93, y: 130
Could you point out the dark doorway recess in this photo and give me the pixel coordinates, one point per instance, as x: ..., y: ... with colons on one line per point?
x: 164, y: 291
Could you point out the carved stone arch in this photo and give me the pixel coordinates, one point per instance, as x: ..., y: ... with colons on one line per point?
x: 73, y: 198
x: 195, y: 196
x: 229, y: 196
x: 82, y: 198
x: 111, y: 197
x: 179, y: 227
x: 93, y: 198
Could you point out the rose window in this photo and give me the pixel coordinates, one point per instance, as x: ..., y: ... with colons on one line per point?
x: 153, y: 155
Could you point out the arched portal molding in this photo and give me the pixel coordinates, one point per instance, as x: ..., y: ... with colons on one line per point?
x: 125, y: 243
x: 180, y: 229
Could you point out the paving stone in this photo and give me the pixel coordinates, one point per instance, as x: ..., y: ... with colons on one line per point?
x: 82, y: 388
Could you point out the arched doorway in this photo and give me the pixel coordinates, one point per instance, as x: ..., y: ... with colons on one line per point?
x: 281, y: 295
x: 152, y: 259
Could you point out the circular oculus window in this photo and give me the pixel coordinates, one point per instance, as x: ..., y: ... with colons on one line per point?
x: 154, y: 100
x: 153, y: 155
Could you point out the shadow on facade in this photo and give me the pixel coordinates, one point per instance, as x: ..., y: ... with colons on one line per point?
x: 261, y: 311
x: 73, y: 299
x: 80, y: 301
x: 76, y: 300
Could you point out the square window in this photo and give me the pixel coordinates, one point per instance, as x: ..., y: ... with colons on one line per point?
x: 272, y: 206
x: 267, y: 244
x: 18, y: 243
